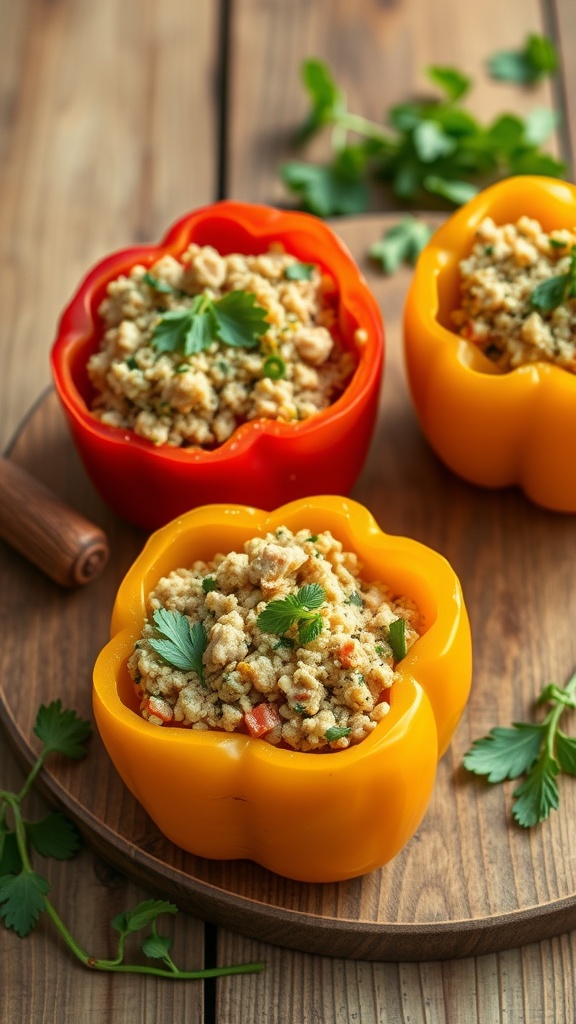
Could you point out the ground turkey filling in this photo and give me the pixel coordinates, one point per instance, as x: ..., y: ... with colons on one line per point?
x: 199, y: 399
x: 307, y: 694
x: 497, y: 282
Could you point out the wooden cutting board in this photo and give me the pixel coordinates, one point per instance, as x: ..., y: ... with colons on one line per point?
x: 470, y: 881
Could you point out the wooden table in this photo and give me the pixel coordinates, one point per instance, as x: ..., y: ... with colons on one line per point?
x: 115, y: 119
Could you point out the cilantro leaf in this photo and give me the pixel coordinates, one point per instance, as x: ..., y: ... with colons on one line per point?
x: 179, y: 642
x: 141, y: 916
x: 22, y: 900
x: 566, y: 752
x: 209, y: 584
x: 239, y: 320
x: 157, y: 284
x: 401, y: 243
x: 336, y: 732
x: 156, y: 947
x: 295, y: 610
x: 452, y: 81
x: 236, y: 320
x: 458, y: 192
x: 554, y: 291
x: 538, y: 795
x: 431, y: 141
x: 55, y: 836
x: 526, y: 66
x: 62, y: 732
x: 506, y: 753
x: 327, y: 190
x: 327, y: 99
x: 397, y: 638
x: 299, y: 271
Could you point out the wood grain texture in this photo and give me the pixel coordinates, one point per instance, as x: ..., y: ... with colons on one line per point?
x: 107, y: 135
x: 378, y: 52
x: 506, y: 886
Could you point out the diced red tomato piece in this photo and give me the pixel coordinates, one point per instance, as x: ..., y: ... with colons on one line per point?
x: 262, y: 719
x: 344, y: 654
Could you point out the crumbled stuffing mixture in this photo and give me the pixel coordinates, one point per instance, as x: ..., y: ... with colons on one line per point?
x: 326, y: 694
x: 200, y: 399
x: 506, y: 264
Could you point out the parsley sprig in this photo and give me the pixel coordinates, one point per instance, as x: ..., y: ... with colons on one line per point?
x: 236, y: 320
x: 299, y: 610
x: 537, y: 751
x: 178, y: 641
x: 554, y: 291
x: 24, y: 891
x: 528, y: 65
x: 430, y: 147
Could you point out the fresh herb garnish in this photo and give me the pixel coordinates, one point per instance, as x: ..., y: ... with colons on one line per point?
x: 299, y: 271
x: 179, y: 642
x: 24, y: 892
x: 355, y: 598
x: 397, y: 638
x: 336, y: 732
x: 298, y: 610
x: 429, y: 147
x: 157, y: 284
x: 537, y: 751
x: 536, y: 59
x: 209, y: 584
x: 401, y: 244
x: 236, y: 320
x: 274, y: 367
x: 556, y: 290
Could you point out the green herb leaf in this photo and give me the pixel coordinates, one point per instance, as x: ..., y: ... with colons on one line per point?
x: 538, y: 795
x: 537, y: 58
x: 355, y: 599
x: 22, y: 900
x: 295, y: 610
x: 299, y: 271
x: 55, y: 836
x: 566, y: 752
x: 179, y: 642
x: 142, y: 916
x: 336, y: 732
x: 397, y: 638
x: 432, y: 142
x: 157, y: 947
x: 401, y: 244
x: 457, y: 192
x: 452, y: 81
x: 506, y: 753
x: 209, y: 584
x: 537, y: 751
x: 157, y: 284
x: 62, y: 732
x: 327, y: 190
x: 236, y: 320
x: 554, y: 291
x: 327, y: 100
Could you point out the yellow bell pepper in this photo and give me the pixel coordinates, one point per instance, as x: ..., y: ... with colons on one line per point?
x: 313, y: 817
x: 493, y: 429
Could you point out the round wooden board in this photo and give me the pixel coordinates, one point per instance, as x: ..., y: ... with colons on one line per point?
x: 470, y: 881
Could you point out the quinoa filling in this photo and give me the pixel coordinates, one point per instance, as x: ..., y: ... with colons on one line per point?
x: 282, y: 641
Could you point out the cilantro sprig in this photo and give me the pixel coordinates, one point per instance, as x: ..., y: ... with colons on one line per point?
x: 299, y: 610
x: 236, y: 320
x: 528, y: 65
x: 402, y: 243
x: 24, y: 892
x: 555, y: 291
x: 537, y: 751
x: 397, y: 638
x: 430, y: 147
x: 178, y: 641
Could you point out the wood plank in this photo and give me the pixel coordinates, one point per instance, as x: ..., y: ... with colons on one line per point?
x: 99, y: 150
x: 378, y: 51
x: 562, y: 26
